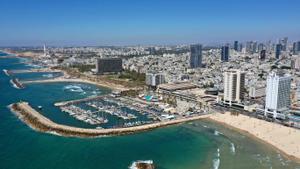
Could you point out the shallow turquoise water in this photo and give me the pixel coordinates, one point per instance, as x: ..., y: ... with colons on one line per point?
x: 187, y: 146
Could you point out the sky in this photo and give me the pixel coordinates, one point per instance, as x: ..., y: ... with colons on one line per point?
x: 145, y: 22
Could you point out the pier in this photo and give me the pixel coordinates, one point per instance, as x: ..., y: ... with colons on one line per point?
x: 66, y: 103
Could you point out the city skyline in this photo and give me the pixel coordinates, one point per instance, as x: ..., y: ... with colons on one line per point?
x: 115, y: 22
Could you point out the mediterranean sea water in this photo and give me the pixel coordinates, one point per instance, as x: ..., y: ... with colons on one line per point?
x: 197, y: 145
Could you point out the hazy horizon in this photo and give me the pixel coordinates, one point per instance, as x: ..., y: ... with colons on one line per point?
x: 119, y: 23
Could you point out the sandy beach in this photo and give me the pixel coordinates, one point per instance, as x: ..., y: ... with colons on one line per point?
x: 78, y: 80
x: 283, y: 138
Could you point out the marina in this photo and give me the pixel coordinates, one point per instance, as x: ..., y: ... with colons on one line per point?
x: 89, y: 117
x: 41, y: 123
x: 104, y: 107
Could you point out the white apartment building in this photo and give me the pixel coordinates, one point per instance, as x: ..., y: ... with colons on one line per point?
x: 257, y: 91
x: 277, y: 95
x: 234, y: 82
x: 154, y: 79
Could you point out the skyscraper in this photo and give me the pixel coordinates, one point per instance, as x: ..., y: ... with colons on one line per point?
x: 251, y: 47
x: 196, y: 56
x: 277, y: 94
x: 236, y: 45
x: 278, y: 48
x: 225, y: 53
x: 240, y: 47
x: 234, y: 82
x: 283, y: 43
x: 248, y: 47
x: 296, y: 48
x: 261, y: 47
x: 254, y: 47
x: 152, y: 51
x: 262, y: 55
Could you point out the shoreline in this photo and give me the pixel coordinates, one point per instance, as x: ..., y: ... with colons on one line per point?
x: 75, y: 80
x: 285, y: 146
x: 109, y: 85
x: 41, y: 123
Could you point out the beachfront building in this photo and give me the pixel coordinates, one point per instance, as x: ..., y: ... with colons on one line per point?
x: 108, y: 65
x: 277, y: 95
x: 234, y: 82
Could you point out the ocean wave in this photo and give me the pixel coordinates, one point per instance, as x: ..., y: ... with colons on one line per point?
x: 33, y: 66
x: 217, y: 133
x: 205, y: 126
x: 83, y: 93
x: 281, y: 160
x: 54, y: 133
x: 74, y: 88
x: 96, y: 92
x: 217, y: 161
x: 48, y: 75
x: 232, y: 148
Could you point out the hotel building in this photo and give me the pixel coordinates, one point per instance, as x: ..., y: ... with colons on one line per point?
x: 277, y: 95
x: 234, y: 83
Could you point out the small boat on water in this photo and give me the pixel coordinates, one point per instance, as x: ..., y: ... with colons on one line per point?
x: 146, y: 164
x: 40, y: 107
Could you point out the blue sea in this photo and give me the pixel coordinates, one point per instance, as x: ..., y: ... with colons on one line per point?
x: 196, y: 145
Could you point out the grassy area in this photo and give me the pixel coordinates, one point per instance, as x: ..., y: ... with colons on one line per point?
x: 133, y: 76
x: 128, y: 79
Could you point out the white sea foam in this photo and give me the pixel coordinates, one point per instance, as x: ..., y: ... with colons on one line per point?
x: 282, y: 161
x: 74, y: 88
x: 34, y: 66
x: 96, y: 92
x: 232, y: 148
x: 48, y: 75
x: 205, y: 126
x: 54, y: 133
x: 217, y: 161
x: 216, y: 132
